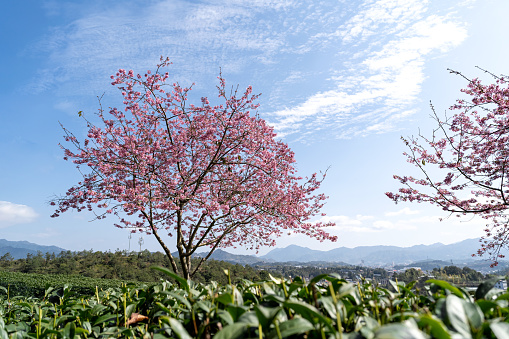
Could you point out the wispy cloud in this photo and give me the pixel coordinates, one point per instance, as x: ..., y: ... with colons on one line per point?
x: 343, y: 220
x: 198, y: 37
x: 391, y: 16
x: 378, y: 88
x: 378, y: 223
x: 369, y: 56
x: 404, y: 211
x: 12, y: 214
x: 382, y: 225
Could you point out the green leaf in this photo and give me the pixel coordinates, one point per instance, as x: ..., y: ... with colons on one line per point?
x: 456, y: 315
x: 97, y: 309
x: 70, y: 330
x: 225, y: 316
x: 445, y: 285
x: 277, y: 281
x: 266, y: 314
x: 236, y: 311
x: 179, y: 330
x: 202, y: 305
x: 486, y: 306
x: 164, y: 308
x: 504, y: 296
x: 237, y: 297
x: 180, y: 298
x: 348, y: 289
x: 80, y: 331
x: 130, y: 309
x: 225, y: 298
x: 158, y: 336
x: 486, y: 286
x: 328, y: 304
x: 104, y: 318
x: 500, y: 330
x: 437, y: 328
x: 474, y: 314
x: 182, y: 282
x: 273, y: 297
x: 295, y: 285
x: 249, y: 318
x: 87, y: 326
x: 234, y: 331
x: 399, y: 331
x: 48, y: 291
x: 292, y: 327
x: 368, y: 323
x: 308, y: 311
x: 318, y: 278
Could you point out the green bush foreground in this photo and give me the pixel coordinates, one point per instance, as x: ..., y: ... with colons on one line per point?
x: 325, y: 307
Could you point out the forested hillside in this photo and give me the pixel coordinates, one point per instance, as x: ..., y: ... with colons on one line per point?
x: 121, y: 265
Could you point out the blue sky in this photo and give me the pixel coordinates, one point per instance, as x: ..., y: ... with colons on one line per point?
x: 341, y: 81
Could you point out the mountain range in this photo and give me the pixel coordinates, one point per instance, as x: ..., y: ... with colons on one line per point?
x: 378, y: 255
x: 459, y: 253
x: 20, y: 249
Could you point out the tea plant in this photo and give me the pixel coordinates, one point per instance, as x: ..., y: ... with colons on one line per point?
x: 35, y: 285
x: 325, y: 307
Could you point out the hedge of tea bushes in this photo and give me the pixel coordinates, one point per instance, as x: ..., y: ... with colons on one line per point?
x: 325, y: 307
x: 35, y: 285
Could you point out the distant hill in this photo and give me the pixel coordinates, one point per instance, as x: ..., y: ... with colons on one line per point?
x: 20, y: 249
x: 233, y: 258
x: 435, y: 255
x: 378, y: 255
x: 482, y: 266
x: 221, y: 255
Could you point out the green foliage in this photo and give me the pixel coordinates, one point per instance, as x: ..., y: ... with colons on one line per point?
x: 458, y: 275
x: 35, y: 285
x: 123, y: 265
x: 325, y: 307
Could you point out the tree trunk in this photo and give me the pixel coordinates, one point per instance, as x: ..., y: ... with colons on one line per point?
x: 166, y: 250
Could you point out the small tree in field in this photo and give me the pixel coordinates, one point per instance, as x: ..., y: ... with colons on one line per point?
x: 208, y: 176
x: 472, y: 149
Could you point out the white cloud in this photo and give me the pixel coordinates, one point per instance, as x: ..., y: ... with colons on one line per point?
x: 386, y: 80
x: 352, y: 229
x: 198, y: 37
x: 467, y: 3
x: 12, y: 214
x: 398, y: 13
x: 381, y: 225
x: 343, y: 220
x: 347, y: 224
x: 374, y: 54
x: 404, y: 211
x: 369, y: 223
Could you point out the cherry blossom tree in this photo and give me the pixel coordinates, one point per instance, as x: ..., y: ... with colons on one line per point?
x: 471, y: 149
x: 206, y: 176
